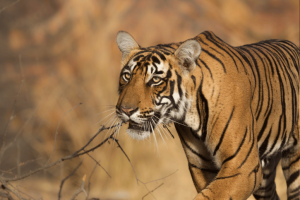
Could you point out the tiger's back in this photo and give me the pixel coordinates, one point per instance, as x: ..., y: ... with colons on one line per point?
x: 272, y: 69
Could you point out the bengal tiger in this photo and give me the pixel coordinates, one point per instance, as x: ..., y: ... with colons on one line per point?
x: 235, y: 109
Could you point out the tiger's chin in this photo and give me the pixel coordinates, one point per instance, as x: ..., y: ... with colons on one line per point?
x: 138, y: 134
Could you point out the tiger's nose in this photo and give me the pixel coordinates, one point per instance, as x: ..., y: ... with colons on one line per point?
x: 127, y: 111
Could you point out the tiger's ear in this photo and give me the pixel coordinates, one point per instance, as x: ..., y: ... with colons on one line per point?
x: 126, y: 43
x: 187, y: 53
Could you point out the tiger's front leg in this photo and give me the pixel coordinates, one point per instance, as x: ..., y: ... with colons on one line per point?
x: 201, y: 177
x: 233, y: 144
x: 201, y: 165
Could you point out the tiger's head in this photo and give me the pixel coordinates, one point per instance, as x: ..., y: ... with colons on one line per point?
x: 155, y: 83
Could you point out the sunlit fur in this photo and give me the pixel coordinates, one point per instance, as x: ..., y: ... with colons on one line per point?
x: 235, y: 109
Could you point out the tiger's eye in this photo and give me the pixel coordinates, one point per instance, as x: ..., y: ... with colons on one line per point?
x: 126, y: 76
x: 156, y: 79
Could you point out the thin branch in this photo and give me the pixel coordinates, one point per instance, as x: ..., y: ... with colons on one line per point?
x: 117, y: 141
x: 6, y: 195
x: 161, y: 178
x: 9, y: 189
x: 81, y: 189
x: 99, y: 164
x: 4, y: 148
x: 16, y: 188
x: 56, y: 132
x: 78, y: 191
x: 89, y: 182
x: 99, y: 131
x: 19, y: 165
x: 76, y: 154
x: 12, y: 116
x: 18, y: 159
x: 63, y: 181
x: 69, y: 157
x: 9, y: 5
x: 152, y: 191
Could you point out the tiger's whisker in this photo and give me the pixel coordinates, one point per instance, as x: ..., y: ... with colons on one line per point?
x: 103, y: 112
x: 104, y: 118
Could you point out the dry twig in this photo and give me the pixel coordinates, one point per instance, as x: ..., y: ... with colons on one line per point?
x: 82, y: 151
x: 12, y: 116
x: 152, y: 191
x: 81, y: 189
x: 63, y: 181
x: 89, y: 182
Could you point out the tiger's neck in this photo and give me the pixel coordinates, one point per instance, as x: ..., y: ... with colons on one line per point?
x: 197, y: 114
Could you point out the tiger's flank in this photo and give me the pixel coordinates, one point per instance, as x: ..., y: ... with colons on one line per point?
x: 235, y: 109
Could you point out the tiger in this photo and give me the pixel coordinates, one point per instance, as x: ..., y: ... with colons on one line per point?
x: 235, y: 109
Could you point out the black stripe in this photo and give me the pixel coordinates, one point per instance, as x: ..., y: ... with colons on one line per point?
x: 255, y: 170
x: 295, y: 190
x: 192, y: 150
x: 205, y: 65
x: 292, y: 178
x: 285, y: 168
x: 263, y: 147
x: 285, y: 69
x: 258, y: 74
x: 225, y: 177
x: 267, y: 83
x: 248, y: 153
x: 241, y: 53
x: 262, y: 197
x: 264, y: 125
x: 275, y: 142
x: 198, y: 102
x: 194, y: 80
x: 282, y: 89
x: 223, y: 133
x: 179, y: 84
x: 160, y: 55
x: 294, y: 196
x: 238, y: 149
x: 230, y: 49
x: 216, y: 58
x: 214, y: 171
x: 212, y: 40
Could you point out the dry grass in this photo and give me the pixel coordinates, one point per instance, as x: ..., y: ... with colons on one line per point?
x: 65, y: 52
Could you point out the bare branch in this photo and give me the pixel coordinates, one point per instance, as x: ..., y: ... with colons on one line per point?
x: 6, y: 195
x: 81, y: 189
x: 12, y: 116
x: 5, y: 186
x: 16, y: 188
x: 63, y: 181
x: 99, y: 164
x: 18, y: 158
x: 99, y: 131
x: 152, y: 191
x: 117, y: 141
x: 89, y: 182
x: 69, y: 157
x: 161, y: 178
x: 9, y: 5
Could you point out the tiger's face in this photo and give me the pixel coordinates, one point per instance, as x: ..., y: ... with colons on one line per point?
x: 152, y: 87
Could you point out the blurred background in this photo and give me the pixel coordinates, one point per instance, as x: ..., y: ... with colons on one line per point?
x: 65, y: 53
